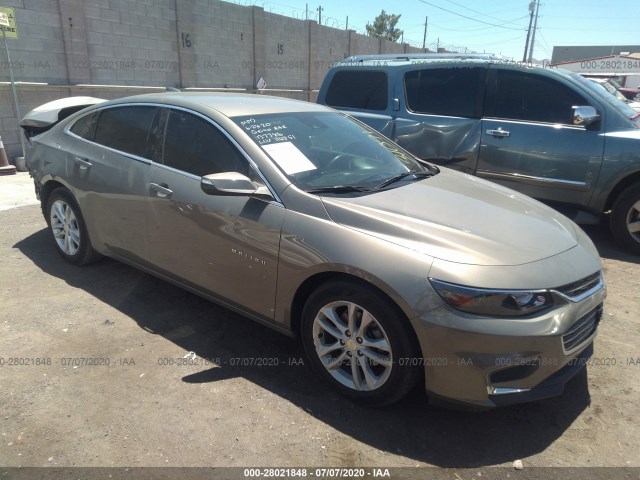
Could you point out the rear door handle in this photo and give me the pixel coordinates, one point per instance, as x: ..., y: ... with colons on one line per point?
x: 82, y: 163
x: 161, y: 190
x: 498, y: 133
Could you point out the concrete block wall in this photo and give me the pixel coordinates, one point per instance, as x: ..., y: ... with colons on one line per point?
x: 180, y: 43
x: 160, y: 43
x: 286, y: 47
x: 328, y: 46
x: 38, y: 55
x: 129, y: 43
x: 215, y: 44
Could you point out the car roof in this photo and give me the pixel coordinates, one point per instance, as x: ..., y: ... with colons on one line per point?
x: 399, y: 61
x: 228, y: 104
x: 403, y: 61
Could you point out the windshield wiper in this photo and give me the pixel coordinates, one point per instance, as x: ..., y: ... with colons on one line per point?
x: 430, y: 166
x: 397, y: 178
x: 338, y: 189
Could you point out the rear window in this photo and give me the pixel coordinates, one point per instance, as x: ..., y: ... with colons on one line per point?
x: 362, y: 89
x: 451, y: 92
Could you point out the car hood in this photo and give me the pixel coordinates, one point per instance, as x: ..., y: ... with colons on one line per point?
x: 459, y: 218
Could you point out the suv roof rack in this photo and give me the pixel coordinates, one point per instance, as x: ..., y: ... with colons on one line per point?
x: 411, y: 56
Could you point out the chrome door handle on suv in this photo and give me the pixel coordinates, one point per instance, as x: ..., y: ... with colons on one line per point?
x: 498, y: 133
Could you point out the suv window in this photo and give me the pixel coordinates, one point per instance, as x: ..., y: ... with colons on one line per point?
x: 444, y: 91
x: 125, y: 128
x: 195, y: 146
x: 85, y: 127
x: 363, y: 89
x: 524, y: 96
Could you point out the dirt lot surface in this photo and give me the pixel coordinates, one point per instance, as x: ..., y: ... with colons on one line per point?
x: 61, y: 404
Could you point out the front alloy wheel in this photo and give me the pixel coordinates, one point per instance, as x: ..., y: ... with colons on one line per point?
x: 352, y: 346
x: 357, y: 340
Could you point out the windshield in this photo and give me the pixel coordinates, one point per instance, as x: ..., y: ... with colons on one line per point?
x: 611, y: 88
x: 602, y: 93
x: 327, y: 151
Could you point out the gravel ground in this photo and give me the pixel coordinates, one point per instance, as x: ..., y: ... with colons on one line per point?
x: 151, y: 406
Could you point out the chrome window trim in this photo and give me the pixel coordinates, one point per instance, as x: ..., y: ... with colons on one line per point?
x: 534, y: 122
x: 68, y: 131
x: 113, y: 150
x: 533, y: 180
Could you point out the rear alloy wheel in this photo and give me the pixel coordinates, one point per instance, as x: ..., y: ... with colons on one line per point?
x: 68, y: 229
x: 625, y: 219
x: 359, y: 343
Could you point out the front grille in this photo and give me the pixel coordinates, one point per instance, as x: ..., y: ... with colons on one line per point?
x: 582, y: 329
x: 575, y: 289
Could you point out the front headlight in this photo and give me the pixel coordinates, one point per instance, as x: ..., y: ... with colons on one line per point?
x: 500, y: 303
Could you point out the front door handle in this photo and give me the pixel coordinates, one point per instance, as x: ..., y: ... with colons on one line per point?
x: 82, y: 163
x: 161, y: 190
x: 498, y: 133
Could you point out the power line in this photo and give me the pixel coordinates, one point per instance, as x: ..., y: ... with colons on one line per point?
x: 476, y: 11
x: 519, y: 37
x: 476, y: 29
x: 470, y: 18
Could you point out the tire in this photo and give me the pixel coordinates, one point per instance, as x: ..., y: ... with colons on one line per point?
x: 331, y: 342
x: 68, y: 229
x: 625, y: 219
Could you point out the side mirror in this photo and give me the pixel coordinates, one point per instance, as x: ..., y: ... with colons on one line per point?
x: 230, y: 184
x: 584, y: 116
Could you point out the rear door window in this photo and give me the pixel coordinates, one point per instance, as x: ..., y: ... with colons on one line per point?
x: 452, y: 92
x: 520, y: 95
x: 361, y: 89
x: 85, y: 127
x: 125, y: 128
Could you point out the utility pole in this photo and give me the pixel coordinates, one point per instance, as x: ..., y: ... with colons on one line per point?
x: 320, y: 15
x: 306, y: 11
x: 424, y: 38
x: 347, y: 28
x: 533, y: 36
x: 532, y: 6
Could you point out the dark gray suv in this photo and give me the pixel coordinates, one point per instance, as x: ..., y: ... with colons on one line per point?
x: 548, y: 133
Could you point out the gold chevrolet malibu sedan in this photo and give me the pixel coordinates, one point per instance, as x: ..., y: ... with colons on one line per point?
x: 390, y: 271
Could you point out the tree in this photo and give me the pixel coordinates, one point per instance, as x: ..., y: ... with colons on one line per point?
x: 384, y: 26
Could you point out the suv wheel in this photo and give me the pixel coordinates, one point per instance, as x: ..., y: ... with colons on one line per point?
x: 360, y: 344
x: 625, y: 219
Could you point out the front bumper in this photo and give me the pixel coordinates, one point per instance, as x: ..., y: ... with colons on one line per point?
x: 488, y: 362
x: 551, y: 387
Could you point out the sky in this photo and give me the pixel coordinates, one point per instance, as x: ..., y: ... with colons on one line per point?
x: 493, y: 26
